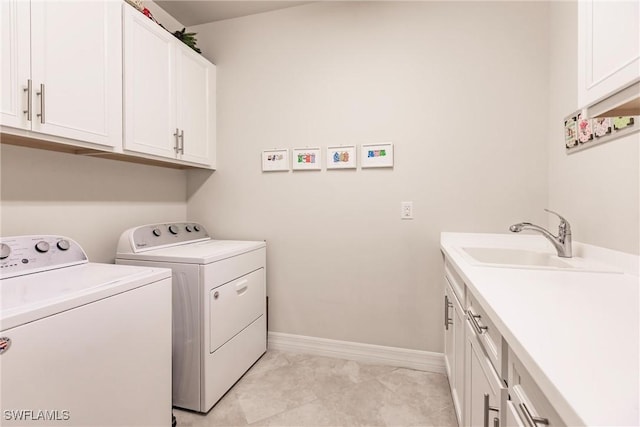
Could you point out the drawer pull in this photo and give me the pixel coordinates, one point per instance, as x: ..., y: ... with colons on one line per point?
x: 447, y: 320
x: 531, y: 420
x: 241, y: 287
x: 488, y: 408
x: 473, y: 318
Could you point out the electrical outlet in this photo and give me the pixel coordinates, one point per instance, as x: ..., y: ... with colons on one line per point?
x: 406, y: 210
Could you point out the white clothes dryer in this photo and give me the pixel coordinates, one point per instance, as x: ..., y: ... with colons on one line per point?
x: 81, y: 344
x: 219, y: 305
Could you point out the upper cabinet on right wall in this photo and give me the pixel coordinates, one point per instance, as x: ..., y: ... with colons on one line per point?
x: 169, y: 95
x: 608, y: 51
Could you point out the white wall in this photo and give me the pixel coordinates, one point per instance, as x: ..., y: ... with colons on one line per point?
x: 88, y: 199
x: 459, y: 88
x: 597, y: 189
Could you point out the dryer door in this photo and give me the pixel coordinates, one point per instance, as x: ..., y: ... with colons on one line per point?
x: 234, y: 306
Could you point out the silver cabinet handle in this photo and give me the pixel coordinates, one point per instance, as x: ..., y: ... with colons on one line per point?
x: 176, y: 147
x: 181, y: 141
x: 531, y: 420
x: 473, y: 318
x: 447, y: 305
x: 216, y: 294
x: 41, y: 95
x: 488, y: 408
x: 29, y: 109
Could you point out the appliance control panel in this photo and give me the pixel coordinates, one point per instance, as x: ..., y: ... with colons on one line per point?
x: 153, y: 236
x: 20, y: 255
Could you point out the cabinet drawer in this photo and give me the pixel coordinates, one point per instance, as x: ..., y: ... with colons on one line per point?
x: 487, y: 332
x: 528, y: 400
x: 234, y: 306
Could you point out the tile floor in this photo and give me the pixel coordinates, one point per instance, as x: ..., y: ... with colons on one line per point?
x: 288, y: 389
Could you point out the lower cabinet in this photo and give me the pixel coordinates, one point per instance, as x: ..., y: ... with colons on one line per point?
x: 489, y: 385
x: 484, y: 390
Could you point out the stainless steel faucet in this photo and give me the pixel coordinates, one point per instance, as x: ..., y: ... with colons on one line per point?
x: 562, y: 242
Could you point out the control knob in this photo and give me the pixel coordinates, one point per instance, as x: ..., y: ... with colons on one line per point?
x: 42, y: 246
x: 157, y: 232
x: 5, y: 251
x: 63, y: 245
x: 196, y: 227
x: 173, y: 229
x: 188, y: 228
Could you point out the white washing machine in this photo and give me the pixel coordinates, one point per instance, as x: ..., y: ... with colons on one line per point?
x: 219, y: 305
x: 81, y: 344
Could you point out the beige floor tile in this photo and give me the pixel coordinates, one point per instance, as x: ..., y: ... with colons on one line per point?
x: 226, y: 412
x: 288, y: 389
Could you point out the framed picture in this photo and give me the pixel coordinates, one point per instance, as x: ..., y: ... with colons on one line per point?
x: 306, y: 159
x: 342, y: 157
x: 377, y: 155
x: 276, y: 160
x: 571, y: 132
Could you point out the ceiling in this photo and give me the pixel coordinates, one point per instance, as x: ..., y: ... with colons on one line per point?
x: 191, y: 13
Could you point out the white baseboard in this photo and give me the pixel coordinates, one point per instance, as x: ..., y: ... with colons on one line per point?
x: 393, y: 356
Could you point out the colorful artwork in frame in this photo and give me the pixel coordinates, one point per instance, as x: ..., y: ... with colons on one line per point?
x: 585, y: 133
x: 602, y: 126
x: 341, y: 157
x: 377, y: 155
x: 276, y: 160
x: 306, y: 159
x: 581, y: 133
x: 571, y: 132
x: 620, y: 123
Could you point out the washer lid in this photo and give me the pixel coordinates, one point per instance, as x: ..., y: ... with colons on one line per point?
x: 204, y: 252
x: 27, y: 298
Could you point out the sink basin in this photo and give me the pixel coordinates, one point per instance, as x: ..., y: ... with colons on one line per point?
x: 530, y: 259
x: 520, y: 257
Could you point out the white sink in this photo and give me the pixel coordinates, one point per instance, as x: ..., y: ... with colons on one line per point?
x: 515, y: 257
x: 529, y: 259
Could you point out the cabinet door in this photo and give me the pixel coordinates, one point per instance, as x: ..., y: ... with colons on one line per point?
x: 459, y: 353
x: 483, y: 388
x: 195, y: 106
x: 15, y: 41
x: 454, y: 347
x: 609, y: 47
x: 149, y: 75
x: 76, y: 68
x: 449, y: 339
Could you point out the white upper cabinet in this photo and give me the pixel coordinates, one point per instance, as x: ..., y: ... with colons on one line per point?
x: 169, y: 94
x: 196, y: 106
x: 15, y: 73
x: 63, y: 75
x: 149, y: 89
x: 608, y: 48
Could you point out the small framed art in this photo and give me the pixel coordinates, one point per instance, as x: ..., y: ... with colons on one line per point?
x: 306, y: 159
x: 276, y: 160
x: 342, y: 157
x: 376, y: 155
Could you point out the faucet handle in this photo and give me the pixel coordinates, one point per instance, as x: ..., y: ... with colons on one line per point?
x: 563, y: 221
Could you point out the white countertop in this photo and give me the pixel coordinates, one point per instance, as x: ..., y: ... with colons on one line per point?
x: 577, y: 333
